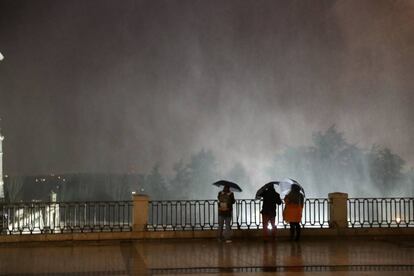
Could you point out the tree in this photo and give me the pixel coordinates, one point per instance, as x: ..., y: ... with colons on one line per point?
x: 329, y: 145
x: 329, y: 164
x: 203, y: 173
x: 156, y: 183
x: 385, y: 167
x: 181, y: 181
x: 239, y: 175
x: 12, y: 187
x: 410, y: 181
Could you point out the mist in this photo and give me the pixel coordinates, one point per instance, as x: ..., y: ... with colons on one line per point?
x: 117, y: 88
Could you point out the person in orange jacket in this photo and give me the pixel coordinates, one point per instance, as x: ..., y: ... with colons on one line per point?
x: 292, y: 213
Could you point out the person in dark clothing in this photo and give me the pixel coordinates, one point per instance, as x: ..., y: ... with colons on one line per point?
x: 270, y: 199
x: 294, y: 201
x: 225, y: 212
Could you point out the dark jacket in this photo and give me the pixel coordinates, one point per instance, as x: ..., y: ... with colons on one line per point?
x: 225, y: 202
x: 270, y: 199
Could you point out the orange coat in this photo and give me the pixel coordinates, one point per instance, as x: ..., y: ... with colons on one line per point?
x: 292, y: 212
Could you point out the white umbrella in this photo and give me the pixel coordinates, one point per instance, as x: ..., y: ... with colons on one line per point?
x: 285, y: 186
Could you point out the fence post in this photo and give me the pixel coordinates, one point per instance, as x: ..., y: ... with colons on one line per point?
x: 338, y: 210
x: 140, y: 212
x: 3, y: 220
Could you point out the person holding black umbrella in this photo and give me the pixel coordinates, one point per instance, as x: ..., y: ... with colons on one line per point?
x: 225, y: 207
x: 225, y: 213
x: 270, y: 199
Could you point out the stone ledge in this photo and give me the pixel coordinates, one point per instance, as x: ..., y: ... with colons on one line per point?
x: 251, y: 233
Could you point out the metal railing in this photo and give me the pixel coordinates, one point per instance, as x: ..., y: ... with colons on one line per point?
x: 66, y: 217
x: 380, y: 212
x: 183, y: 215
x: 202, y: 214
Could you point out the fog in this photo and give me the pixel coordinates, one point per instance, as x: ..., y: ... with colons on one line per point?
x: 117, y: 87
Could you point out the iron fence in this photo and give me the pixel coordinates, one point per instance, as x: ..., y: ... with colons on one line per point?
x: 66, y: 217
x: 202, y: 214
x: 178, y: 215
x: 380, y: 212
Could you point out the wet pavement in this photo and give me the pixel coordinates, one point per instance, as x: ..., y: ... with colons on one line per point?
x: 357, y: 256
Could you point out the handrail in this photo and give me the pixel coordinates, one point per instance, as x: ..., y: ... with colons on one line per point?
x: 380, y: 212
x: 165, y: 215
x: 190, y: 215
x: 66, y: 217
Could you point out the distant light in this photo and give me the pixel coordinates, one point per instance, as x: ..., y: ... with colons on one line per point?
x: 398, y: 220
x: 64, y: 179
x: 269, y: 226
x: 5, y: 176
x: 1, y: 57
x: 133, y: 192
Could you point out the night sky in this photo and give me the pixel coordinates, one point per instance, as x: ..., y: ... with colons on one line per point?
x: 116, y: 86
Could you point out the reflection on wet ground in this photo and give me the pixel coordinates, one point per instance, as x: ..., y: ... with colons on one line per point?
x: 358, y: 256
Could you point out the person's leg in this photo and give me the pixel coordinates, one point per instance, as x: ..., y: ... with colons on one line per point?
x: 297, y: 231
x: 272, y: 222
x: 292, y: 230
x: 265, y: 220
x: 220, y: 227
x: 227, y: 233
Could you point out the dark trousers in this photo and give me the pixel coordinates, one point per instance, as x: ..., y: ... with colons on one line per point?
x: 268, y: 233
x: 294, y: 231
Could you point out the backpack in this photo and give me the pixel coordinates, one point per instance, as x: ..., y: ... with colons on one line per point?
x: 224, y: 202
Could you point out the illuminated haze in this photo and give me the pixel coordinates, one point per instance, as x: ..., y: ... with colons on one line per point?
x: 116, y: 86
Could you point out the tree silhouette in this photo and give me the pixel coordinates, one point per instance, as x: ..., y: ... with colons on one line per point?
x: 12, y: 187
x: 156, y: 184
x: 238, y: 174
x: 332, y: 164
x: 203, y: 173
x: 385, y: 167
x: 330, y: 145
x: 181, y: 182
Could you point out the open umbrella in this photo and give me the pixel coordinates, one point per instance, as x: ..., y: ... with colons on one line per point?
x: 286, y: 184
x: 266, y: 186
x: 233, y: 186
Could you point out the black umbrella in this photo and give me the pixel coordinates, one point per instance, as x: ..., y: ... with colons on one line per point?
x: 233, y: 186
x: 266, y: 186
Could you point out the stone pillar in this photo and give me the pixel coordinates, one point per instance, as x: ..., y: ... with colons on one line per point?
x: 3, y: 221
x: 1, y: 169
x: 54, y: 211
x: 140, y: 212
x: 338, y: 210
